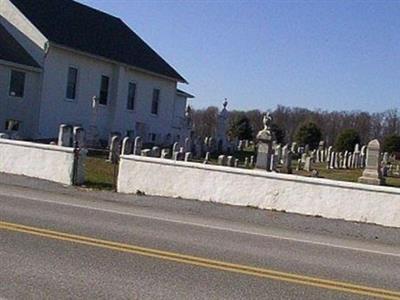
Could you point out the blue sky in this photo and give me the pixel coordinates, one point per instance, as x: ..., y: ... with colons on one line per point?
x: 333, y: 55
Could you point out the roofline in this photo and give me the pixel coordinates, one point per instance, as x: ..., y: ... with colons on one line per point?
x: 183, y: 93
x: 52, y: 44
x: 20, y: 66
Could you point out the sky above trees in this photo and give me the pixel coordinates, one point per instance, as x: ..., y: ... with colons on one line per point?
x: 334, y: 55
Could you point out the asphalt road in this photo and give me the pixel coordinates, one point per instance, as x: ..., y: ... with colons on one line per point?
x: 63, y: 243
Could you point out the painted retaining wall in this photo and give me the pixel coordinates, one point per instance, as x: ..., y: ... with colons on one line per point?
x: 256, y: 188
x: 41, y: 161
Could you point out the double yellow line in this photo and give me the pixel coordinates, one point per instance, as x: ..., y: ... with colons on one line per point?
x: 206, y: 263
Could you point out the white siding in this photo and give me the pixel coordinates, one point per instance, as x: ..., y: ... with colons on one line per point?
x: 113, y: 117
x: 24, y: 109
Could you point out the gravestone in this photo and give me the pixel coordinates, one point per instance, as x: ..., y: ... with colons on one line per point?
x: 222, y: 160
x: 207, y: 158
x: 165, y: 153
x: 145, y: 152
x: 188, y: 156
x: 65, y: 135
x: 246, y: 162
x: 156, y: 151
x: 115, y: 149
x: 137, y: 147
x: 264, y: 143
x: 126, y: 146
x: 287, y: 164
x: 307, y: 165
x: 79, y: 137
x: 372, y: 173
x: 230, y: 161
x: 236, y: 164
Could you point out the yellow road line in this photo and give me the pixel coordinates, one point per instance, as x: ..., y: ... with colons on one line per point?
x: 207, y: 263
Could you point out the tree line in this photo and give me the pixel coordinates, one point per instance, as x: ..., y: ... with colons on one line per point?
x: 288, y: 121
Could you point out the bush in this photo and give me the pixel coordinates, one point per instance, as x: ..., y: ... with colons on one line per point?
x: 391, y: 144
x: 278, y: 133
x: 347, y: 140
x: 240, y: 128
x: 308, y: 134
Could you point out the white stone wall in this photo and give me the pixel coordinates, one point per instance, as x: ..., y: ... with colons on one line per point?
x: 47, y: 162
x: 309, y: 196
x: 25, y: 109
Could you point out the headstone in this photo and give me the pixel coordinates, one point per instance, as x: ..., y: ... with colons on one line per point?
x: 222, y: 160
x: 299, y: 164
x: 273, y: 163
x: 126, y: 146
x: 264, y: 145
x: 188, y: 156
x: 156, y: 151
x: 188, y: 145
x: 307, y: 164
x: 287, y: 164
x: 65, y: 135
x: 137, y: 147
x: 230, y: 161
x: 332, y: 160
x: 285, y: 151
x: 79, y: 137
x: 207, y: 158
x: 278, y: 152
x: 145, y: 152
x: 294, y: 147
x: 251, y: 163
x: 385, y: 158
x: 114, y: 149
x: 236, y: 164
x: 165, y: 153
x: 178, y: 155
x: 303, y: 157
x: 175, y: 147
x: 246, y: 162
x: 372, y: 173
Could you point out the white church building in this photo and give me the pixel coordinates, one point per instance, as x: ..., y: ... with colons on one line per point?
x: 57, y: 55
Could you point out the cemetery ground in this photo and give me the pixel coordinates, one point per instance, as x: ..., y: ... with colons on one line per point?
x: 100, y: 172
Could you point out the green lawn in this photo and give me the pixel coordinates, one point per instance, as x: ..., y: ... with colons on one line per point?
x: 100, y: 173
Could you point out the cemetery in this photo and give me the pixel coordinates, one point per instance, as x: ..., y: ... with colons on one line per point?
x: 358, y: 185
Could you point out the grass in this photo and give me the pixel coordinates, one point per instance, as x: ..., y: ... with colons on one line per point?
x: 100, y: 173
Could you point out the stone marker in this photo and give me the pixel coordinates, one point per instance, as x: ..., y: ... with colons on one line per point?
x: 156, y: 151
x: 287, y: 164
x: 222, y: 160
x: 188, y: 156
x: 126, y: 146
x: 207, y: 158
x: 145, y: 152
x: 307, y: 164
x: 79, y: 137
x: 246, y: 162
x: 372, y: 173
x: 264, y: 143
x: 230, y: 161
x: 165, y: 153
x: 115, y: 149
x: 137, y: 148
x: 236, y: 164
x: 65, y: 135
